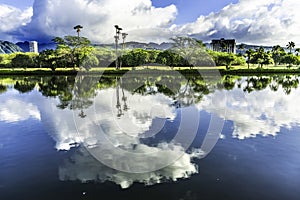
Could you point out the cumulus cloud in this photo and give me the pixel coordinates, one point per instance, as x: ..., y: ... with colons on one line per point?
x: 121, y: 131
x: 113, y: 140
x: 258, y: 113
x: 98, y: 17
x: 15, y: 108
x: 260, y: 22
x: 11, y: 19
x: 267, y: 22
x: 84, y: 167
x: 111, y: 146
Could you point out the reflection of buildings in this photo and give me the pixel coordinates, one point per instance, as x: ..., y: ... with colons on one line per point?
x: 224, y: 45
x: 33, y: 46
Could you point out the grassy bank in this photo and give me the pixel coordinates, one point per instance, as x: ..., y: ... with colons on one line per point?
x: 240, y: 70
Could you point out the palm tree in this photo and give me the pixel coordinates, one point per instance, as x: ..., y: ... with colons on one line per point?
x: 78, y: 29
x: 290, y: 46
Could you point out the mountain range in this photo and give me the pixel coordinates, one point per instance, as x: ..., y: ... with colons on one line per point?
x: 9, y: 47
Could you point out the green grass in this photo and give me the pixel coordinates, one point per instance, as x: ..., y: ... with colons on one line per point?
x: 235, y: 70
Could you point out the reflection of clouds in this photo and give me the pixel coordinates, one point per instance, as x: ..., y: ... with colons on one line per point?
x: 84, y: 167
x: 16, y: 107
x: 258, y: 113
x: 120, y: 131
x: 139, y: 117
x: 112, y: 148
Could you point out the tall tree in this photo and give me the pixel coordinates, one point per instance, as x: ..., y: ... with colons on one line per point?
x: 78, y: 29
x: 249, y: 54
x: 76, y: 49
x: 290, y: 46
x: 277, y: 54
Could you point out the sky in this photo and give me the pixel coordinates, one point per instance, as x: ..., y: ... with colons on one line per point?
x: 268, y: 22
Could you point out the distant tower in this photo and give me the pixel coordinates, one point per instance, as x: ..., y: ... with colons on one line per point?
x: 33, y: 46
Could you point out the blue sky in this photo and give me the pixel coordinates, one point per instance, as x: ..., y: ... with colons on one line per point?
x: 262, y: 22
x: 190, y: 10
x: 18, y: 3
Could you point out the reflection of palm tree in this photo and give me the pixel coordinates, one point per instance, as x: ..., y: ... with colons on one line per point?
x: 118, y: 106
x: 124, y: 98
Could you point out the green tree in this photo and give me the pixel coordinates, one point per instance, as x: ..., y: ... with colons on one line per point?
x: 227, y: 59
x: 261, y: 57
x: 191, y: 50
x: 136, y: 57
x: 249, y: 54
x: 289, y: 59
x: 48, y: 59
x: 277, y: 54
x: 24, y: 60
x: 75, y: 48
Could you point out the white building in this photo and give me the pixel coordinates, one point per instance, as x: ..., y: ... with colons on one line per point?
x: 33, y: 46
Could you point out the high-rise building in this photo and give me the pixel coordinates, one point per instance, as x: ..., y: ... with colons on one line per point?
x: 33, y: 46
x: 223, y: 45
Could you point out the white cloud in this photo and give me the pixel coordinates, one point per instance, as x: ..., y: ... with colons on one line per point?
x: 258, y: 113
x: 123, y: 131
x: 84, y: 167
x: 107, y: 140
x: 267, y: 22
x: 98, y: 17
x: 11, y: 19
x: 14, y: 108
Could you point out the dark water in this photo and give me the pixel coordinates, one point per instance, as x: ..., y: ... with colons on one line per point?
x: 149, y: 137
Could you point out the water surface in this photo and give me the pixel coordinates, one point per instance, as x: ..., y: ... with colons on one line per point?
x: 84, y: 137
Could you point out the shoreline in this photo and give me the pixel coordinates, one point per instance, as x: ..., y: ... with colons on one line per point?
x: 42, y: 72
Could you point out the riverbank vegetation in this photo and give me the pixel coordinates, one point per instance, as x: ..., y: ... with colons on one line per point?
x: 76, y: 53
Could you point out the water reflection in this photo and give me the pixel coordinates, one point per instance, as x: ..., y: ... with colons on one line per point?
x: 254, y: 107
x: 84, y: 167
x: 119, y: 138
x: 15, y: 107
x: 125, y: 115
